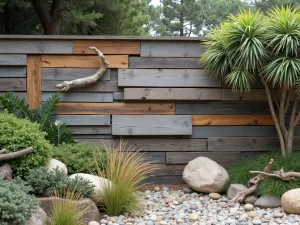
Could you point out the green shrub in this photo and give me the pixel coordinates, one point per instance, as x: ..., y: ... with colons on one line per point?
x: 239, y: 173
x: 17, y: 134
x: 79, y: 158
x: 16, y: 205
x: 45, y: 182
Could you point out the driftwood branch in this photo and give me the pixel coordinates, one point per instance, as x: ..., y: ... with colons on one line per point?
x: 15, y: 155
x: 67, y: 85
x: 280, y: 174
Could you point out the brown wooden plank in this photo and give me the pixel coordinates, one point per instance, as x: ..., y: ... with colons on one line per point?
x: 172, y: 94
x: 165, y: 78
x: 84, y: 61
x: 223, y: 120
x: 90, y: 129
x: 253, y: 95
x: 113, y: 47
x: 115, y: 108
x: 224, y: 159
x: 13, y: 84
x: 164, y: 63
x: 34, y: 80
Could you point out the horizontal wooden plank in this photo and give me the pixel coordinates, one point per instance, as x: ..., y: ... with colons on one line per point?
x: 84, y: 61
x: 113, y: 47
x: 90, y: 129
x: 223, y: 108
x: 222, y: 120
x: 226, y: 160
x: 100, y: 86
x: 63, y: 74
x: 118, y: 96
x: 21, y: 95
x: 236, y: 131
x: 253, y: 95
x: 164, y: 63
x: 151, y: 125
x: 165, y: 180
x: 36, y: 46
x: 172, y: 94
x: 168, y: 170
x: 6, y: 71
x: 115, y: 108
x: 81, y: 97
x: 165, y: 78
x: 91, y: 120
x: 12, y: 59
x: 171, y: 49
x: 12, y: 84
x: 158, y: 144
x: 155, y: 157
x: 84, y: 137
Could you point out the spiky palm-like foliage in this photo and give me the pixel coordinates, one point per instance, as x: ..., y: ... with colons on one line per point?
x: 45, y: 116
x: 252, y: 46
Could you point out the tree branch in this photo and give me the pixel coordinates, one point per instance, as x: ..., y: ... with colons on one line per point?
x: 279, y: 174
x: 67, y: 85
x: 15, y: 155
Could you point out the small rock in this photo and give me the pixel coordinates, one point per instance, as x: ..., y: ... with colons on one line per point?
x: 157, y: 189
x: 56, y: 164
x: 268, y: 202
x: 153, y: 218
x: 291, y: 201
x: 248, y: 207
x: 38, y: 218
x: 234, y: 189
x: 256, y: 222
x: 94, y: 223
x: 187, y: 190
x: 175, y: 202
x: 103, y: 221
x: 193, y: 217
x: 252, y: 214
x: 214, y: 196
x: 251, y: 199
x: 278, y: 215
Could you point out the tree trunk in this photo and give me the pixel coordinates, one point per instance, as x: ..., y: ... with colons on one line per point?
x: 181, y: 21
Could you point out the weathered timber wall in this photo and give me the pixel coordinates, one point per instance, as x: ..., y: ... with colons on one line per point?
x: 154, y: 94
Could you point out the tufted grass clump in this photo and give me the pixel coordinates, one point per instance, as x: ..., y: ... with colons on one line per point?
x: 239, y: 173
x: 127, y: 169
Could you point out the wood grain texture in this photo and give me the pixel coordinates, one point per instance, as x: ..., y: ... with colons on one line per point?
x: 11, y: 72
x: 223, y: 120
x: 21, y: 95
x: 63, y: 74
x: 115, y: 108
x: 113, y: 47
x: 155, y: 157
x: 84, y: 61
x: 34, y: 80
x: 168, y: 170
x: 171, y: 49
x: 236, y: 131
x: 164, y: 63
x: 36, y: 46
x: 223, y: 108
x: 172, y: 94
x: 253, y: 95
x: 100, y: 86
x: 225, y: 160
x: 165, y: 78
x: 12, y: 59
x: 119, y: 96
x: 81, y: 97
x: 90, y: 129
x: 165, y: 180
x: 90, y: 120
x: 151, y: 125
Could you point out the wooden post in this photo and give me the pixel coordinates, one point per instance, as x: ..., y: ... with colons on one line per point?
x: 34, y: 80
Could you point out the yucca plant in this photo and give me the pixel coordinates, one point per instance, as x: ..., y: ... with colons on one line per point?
x: 66, y: 210
x: 57, y: 132
x: 252, y: 46
x: 127, y: 169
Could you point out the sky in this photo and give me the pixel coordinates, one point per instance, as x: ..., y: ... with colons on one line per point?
x: 155, y: 2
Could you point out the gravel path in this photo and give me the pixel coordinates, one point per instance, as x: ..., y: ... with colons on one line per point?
x: 182, y: 206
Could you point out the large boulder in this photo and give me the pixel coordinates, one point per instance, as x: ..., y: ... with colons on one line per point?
x: 290, y: 201
x: 205, y: 175
x: 54, y: 163
x: 98, y: 182
x: 268, y: 201
x: 38, y: 218
x: 92, y: 212
x: 234, y: 189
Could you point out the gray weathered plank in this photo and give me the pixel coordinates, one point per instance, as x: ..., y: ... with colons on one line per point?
x: 253, y: 95
x: 171, y: 49
x: 12, y: 84
x: 223, y: 108
x: 165, y: 180
x: 172, y: 94
x: 155, y: 157
x: 168, y: 170
x: 102, y: 86
x: 151, y: 125
x: 63, y: 74
x: 90, y: 137
x: 236, y: 131
x: 164, y: 63
x: 81, y: 97
x: 224, y: 159
x: 6, y: 71
x: 91, y: 120
x: 36, y: 46
x: 90, y: 129
x: 118, y: 96
x: 21, y: 95
x: 165, y: 78
x: 12, y: 59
